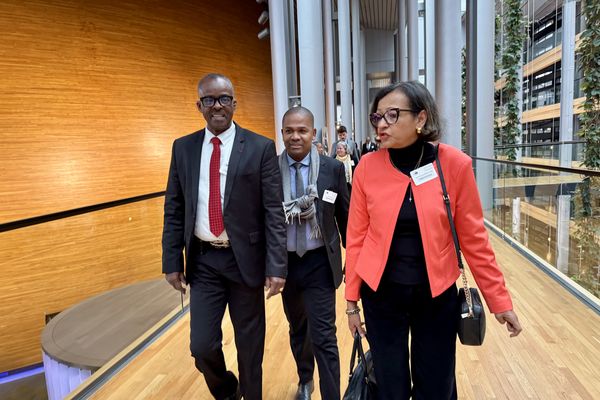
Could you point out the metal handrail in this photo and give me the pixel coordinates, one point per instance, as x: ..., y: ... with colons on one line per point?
x: 22, y: 223
x: 580, y: 171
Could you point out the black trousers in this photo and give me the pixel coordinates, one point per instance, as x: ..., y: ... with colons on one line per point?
x: 309, y: 305
x: 393, y: 312
x: 216, y: 282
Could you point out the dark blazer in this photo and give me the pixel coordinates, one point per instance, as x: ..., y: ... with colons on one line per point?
x: 252, y: 208
x: 333, y: 177
x: 368, y: 147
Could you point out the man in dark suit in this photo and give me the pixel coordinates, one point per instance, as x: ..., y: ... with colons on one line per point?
x: 316, y: 202
x: 368, y: 146
x: 223, y: 206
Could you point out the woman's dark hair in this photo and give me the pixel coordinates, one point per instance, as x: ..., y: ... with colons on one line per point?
x: 419, y: 99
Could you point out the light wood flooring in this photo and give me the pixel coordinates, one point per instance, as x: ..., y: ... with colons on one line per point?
x: 556, y: 357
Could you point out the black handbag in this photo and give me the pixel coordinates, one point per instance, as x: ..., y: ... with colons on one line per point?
x: 471, y: 326
x: 361, y: 383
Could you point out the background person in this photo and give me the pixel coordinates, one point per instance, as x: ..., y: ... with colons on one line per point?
x: 368, y: 146
x: 351, y: 147
x: 320, y: 148
x: 341, y: 150
x: 405, y: 272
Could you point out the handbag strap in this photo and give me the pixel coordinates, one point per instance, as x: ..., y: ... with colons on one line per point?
x: 357, y: 348
x: 446, y: 199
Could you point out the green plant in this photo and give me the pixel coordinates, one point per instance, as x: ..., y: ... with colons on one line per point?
x: 497, y: 47
x: 511, y: 48
x: 587, y: 195
x: 589, y: 53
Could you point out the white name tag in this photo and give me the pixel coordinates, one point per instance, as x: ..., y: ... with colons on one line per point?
x: 329, y: 196
x: 423, y: 174
x: 352, y: 163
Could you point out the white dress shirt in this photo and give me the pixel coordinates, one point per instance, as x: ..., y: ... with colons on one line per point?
x: 202, y: 228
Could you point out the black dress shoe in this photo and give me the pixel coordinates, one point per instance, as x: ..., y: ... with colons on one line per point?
x: 304, y: 391
x: 236, y: 396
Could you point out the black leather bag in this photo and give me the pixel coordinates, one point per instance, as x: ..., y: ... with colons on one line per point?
x: 471, y: 326
x: 471, y: 329
x: 361, y: 384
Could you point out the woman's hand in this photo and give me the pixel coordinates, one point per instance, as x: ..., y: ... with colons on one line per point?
x: 513, y: 325
x: 354, y: 322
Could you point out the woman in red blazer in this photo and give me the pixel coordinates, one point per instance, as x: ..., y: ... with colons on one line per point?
x: 400, y: 257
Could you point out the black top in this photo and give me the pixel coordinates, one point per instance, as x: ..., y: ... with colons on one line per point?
x: 406, y: 260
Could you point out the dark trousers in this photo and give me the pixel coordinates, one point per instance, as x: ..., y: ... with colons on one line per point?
x: 393, y: 312
x: 309, y: 305
x: 216, y: 282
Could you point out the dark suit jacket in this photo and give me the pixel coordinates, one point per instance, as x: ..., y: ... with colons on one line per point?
x: 252, y: 208
x: 367, y: 148
x: 333, y: 217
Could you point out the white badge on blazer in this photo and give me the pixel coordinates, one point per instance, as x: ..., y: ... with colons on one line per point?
x: 329, y: 196
x: 423, y: 174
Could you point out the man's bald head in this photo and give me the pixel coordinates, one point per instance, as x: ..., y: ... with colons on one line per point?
x: 301, y: 111
x: 213, y: 77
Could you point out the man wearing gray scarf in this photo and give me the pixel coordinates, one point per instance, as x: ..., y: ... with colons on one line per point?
x: 316, y: 202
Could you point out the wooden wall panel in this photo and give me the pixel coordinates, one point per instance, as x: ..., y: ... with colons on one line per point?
x: 49, y: 267
x: 94, y: 92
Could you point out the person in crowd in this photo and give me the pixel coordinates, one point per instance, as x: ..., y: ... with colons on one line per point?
x: 343, y: 156
x: 316, y: 202
x: 405, y: 272
x: 223, y: 210
x: 368, y: 146
x: 320, y: 148
x: 351, y: 147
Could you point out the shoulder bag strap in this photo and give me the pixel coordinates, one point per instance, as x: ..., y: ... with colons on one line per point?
x: 446, y: 199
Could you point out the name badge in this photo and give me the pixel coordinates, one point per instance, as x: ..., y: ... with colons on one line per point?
x: 423, y: 174
x: 329, y: 196
x: 352, y: 163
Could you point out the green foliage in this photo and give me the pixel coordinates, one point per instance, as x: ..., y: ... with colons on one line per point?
x: 589, y: 55
x: 497, y: 47
x: 510, y: 62
x: 587, y: 196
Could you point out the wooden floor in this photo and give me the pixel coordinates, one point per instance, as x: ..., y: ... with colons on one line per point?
x: 556, y: 357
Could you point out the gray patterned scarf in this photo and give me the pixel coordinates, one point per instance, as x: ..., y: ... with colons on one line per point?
x: 301, y: 208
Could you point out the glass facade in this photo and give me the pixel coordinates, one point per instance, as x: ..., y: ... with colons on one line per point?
x: 539, y: 207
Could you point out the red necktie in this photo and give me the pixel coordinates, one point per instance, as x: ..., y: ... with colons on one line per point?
x: 215, y: 212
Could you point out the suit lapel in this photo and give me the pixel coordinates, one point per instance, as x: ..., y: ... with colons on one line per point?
x: 321, y: 184
x: 234, y: 161
x: 196, y: 151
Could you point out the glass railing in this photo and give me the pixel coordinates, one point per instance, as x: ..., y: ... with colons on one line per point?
x: 552, y: 212
x: 545, y: 153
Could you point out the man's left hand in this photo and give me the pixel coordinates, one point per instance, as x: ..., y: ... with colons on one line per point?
x: 274, y: 285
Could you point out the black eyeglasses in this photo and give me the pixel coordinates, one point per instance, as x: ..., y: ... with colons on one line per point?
x: 209, y: 101
x: 390, y: 116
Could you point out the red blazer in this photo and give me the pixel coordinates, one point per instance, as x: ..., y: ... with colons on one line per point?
x: 378, y: 190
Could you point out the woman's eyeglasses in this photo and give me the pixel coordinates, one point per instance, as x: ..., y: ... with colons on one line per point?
x: 390, y: 116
